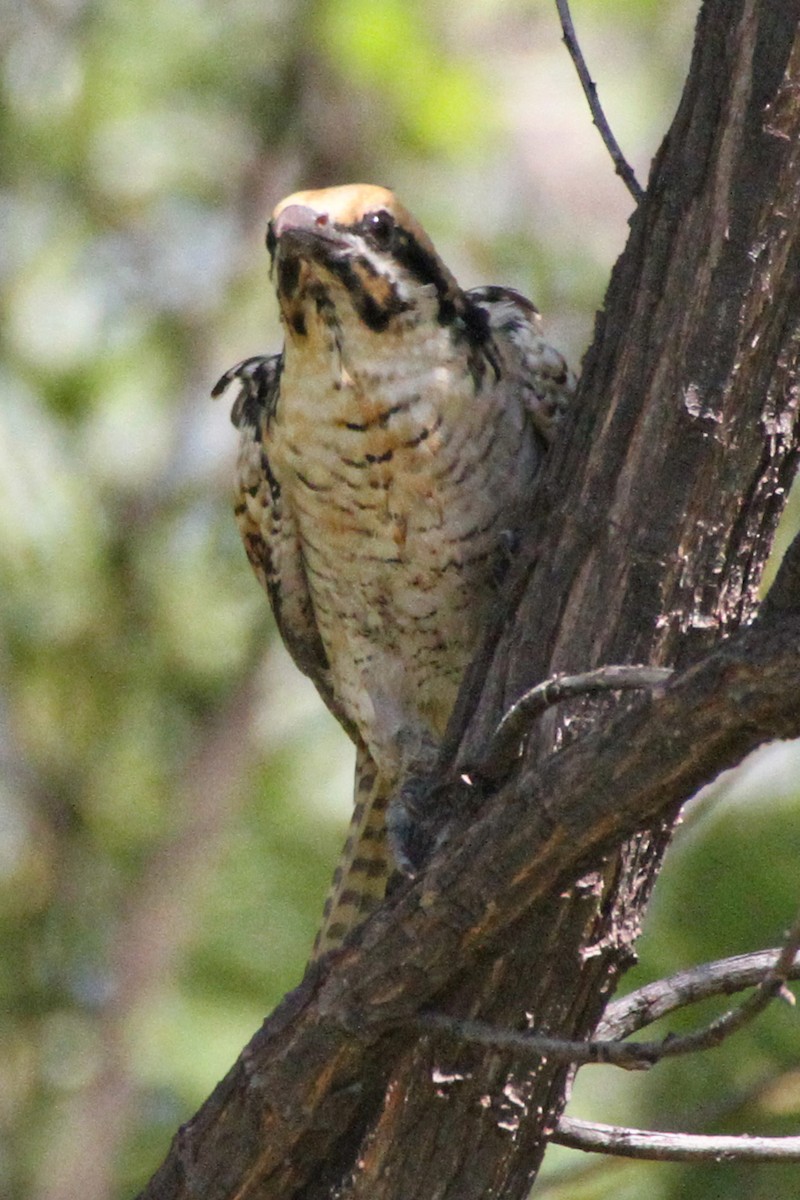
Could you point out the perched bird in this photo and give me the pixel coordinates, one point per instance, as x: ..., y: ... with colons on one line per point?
x: 386, y: 462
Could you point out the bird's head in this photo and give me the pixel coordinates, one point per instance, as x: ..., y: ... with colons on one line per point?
x: 354, y: 252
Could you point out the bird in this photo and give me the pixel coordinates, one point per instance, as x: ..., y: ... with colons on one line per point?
x: 387, y: 460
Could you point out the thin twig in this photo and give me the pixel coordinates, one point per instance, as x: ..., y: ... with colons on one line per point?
x: 509, y: 737
x: 650, y: 1003
x: 772, y: 985
x: 483, y: 1033
x: 673, y: 1147
x: 621, y: 166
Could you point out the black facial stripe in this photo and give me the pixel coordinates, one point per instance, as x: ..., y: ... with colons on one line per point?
x: 288, y: 274
x: 409, y: 253
x: 419, y: 261
x: 374, y: 313
x: 377, y: 316
x: 426, y: 268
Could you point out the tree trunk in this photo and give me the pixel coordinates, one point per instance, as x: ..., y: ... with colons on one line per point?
x: 647, y: 543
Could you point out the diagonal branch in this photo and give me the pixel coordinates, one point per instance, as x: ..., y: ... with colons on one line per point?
x: 559, y: 819
x: 656, y: 1000
x: 621, y: 165
x: 293, y: 1080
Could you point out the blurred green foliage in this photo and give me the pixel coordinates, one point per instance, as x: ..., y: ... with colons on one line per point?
x: 172, y: 795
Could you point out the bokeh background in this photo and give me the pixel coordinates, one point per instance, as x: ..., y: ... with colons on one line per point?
x: 172, y: 793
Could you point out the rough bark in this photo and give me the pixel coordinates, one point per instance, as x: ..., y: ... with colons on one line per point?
x: 647, y: 544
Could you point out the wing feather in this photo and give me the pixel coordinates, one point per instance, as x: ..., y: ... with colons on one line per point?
x: 267, y: 526
x: 546, y: 383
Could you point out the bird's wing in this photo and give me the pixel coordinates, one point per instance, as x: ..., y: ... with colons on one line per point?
x: 545, y: 382
x: 267, y: 525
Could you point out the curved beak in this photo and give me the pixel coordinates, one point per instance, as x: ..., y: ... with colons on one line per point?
x: 298, y: 224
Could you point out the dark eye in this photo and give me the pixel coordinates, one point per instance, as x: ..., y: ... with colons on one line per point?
x: 271, y: 239
x: 379, y: 227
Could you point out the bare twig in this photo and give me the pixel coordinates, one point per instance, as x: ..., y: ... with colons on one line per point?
x: 621, y: 166
x: 782, y: 966
x: 673, y: 1147
x: 509, y: 738
x: 772, y: 985
x: 725, y: 976
x: 483, y: 1033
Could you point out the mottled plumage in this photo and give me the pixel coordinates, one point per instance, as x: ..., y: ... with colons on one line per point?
x: 387, y: 457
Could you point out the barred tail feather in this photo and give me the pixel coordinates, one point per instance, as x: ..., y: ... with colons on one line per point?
x: 360, y: 878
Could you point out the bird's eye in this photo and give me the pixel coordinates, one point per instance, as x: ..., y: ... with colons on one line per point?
x: 379, y: 227
x: 272, y: 241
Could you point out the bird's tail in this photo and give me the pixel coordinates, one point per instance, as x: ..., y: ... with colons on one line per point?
x: 359, y: 881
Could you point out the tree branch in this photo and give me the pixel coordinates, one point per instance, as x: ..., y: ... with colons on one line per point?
x: 621, y: 165
x: 342, y: 1023
x: 656, y: 1000
x: 511, y: 734
x: 782, y: 967
x: 674, y: 1147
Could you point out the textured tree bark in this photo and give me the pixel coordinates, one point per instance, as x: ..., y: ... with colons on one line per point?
x: 290, y: 1118
x: 647, y: 542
